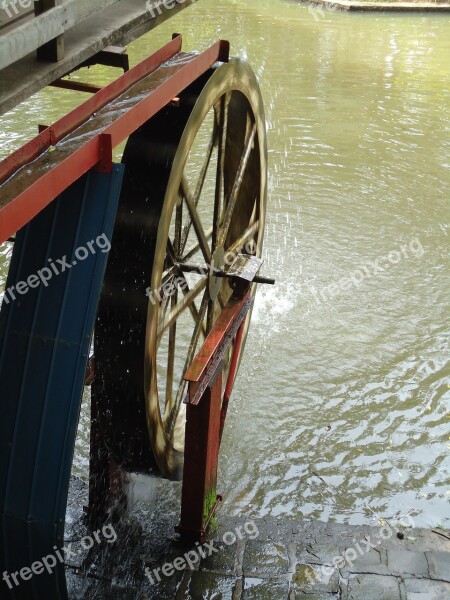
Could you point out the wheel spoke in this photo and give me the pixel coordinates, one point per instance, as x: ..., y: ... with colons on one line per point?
x: 173, y: 410
x: 236, y: 187
x: 184, y: 283
x: 201, y: 235
x: 181, y: 306
x: 196, y: 247
x: 222, y: 127
x: 170, y: 252
x: 178, y: 223
x: 194, y: 310
x: 239, y: 243
x: 171, y: 353
x: 165, y: 300
x: 254, y: 214
x: 167, y: 274
x: 198, y: 189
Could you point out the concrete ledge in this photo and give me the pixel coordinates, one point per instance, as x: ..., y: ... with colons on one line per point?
x: 354, y: 6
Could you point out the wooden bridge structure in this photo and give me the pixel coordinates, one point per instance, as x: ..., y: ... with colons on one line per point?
x: 42, y: 41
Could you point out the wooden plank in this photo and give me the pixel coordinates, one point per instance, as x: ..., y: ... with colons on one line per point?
x: 119, y: 25
x: 31, y: 35
x: 29, y: 190
x: 54, y: 49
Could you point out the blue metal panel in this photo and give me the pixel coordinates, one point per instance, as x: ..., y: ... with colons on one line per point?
x: 45, y: 335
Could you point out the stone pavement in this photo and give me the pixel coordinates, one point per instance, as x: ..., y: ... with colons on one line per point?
x: 265, y: 559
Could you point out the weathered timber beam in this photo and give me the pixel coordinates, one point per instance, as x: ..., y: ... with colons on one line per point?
x: 32, y: 34
x: 122, y: 23
x: 54, y: 49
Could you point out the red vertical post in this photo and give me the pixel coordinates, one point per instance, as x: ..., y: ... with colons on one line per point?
x: 205, y: 416
x: 231, y: 377
x: 201, y: 457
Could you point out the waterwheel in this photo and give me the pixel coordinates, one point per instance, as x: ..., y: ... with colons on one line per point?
x: 194, y: 191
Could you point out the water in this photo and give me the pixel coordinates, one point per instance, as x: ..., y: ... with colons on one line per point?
x: 342, y: 406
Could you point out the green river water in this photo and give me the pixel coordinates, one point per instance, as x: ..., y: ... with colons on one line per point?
x: 342, y: 406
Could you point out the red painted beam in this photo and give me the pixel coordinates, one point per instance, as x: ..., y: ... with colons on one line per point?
x: 80, y: 114
x: 234, y: 364
x: 215, y: 338
x: 40, y: 193
x: 201, y: 457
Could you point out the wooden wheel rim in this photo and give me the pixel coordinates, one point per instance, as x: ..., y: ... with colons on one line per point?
x: 228, y: 79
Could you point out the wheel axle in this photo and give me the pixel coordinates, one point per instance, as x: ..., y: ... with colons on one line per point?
x: 231, y: 274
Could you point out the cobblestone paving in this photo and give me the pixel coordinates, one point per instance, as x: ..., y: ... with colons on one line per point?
x: 279, y: 560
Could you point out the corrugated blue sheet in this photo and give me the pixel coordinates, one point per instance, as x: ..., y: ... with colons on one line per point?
x: 44, y: 345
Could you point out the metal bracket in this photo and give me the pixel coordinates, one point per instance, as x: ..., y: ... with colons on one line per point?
x: 244, y: 268
x: 112, y: 56
x: 76, y: 86
x: 106, y: 148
